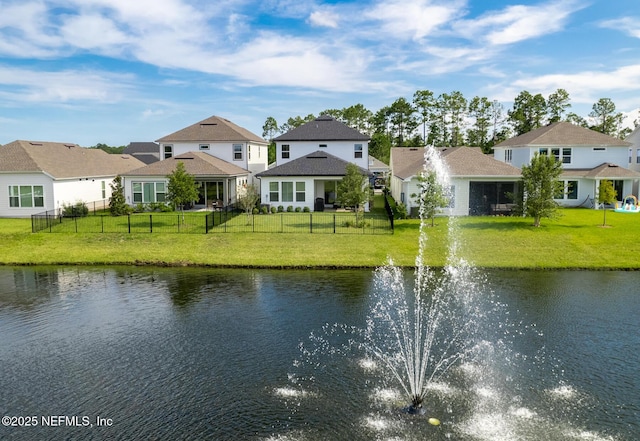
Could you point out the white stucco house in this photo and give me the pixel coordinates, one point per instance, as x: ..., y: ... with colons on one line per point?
x: 587, y: 157
x: 38, y: 176
x: 221, y: 138
x: 479, y: 183
x: 310, y: 161
x: 222, y: 156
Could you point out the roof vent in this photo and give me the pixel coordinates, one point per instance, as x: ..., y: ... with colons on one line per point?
x: 208, y: 124
x: 35, y: 143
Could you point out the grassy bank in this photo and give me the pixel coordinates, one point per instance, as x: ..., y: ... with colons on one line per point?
x: 575, y: 240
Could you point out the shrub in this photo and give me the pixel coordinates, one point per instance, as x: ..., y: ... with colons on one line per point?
x: 139, y: 208
x: 264, y: 210
x: 273, y: 210
x: 298, y: 209
x: 290, y: 209
x: 80, y: 209
x: 255, y: 210
x: 280, y: 208
x: 306, y: 209
x: 400, y: 211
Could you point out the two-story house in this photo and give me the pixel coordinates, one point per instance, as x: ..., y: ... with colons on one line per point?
x: 310, y: 161
x: 221, y: 156
x: 587, y: 157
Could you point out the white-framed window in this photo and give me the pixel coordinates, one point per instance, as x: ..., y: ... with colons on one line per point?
x: 168, y: 151
x: 203, y: 146
x: 287, y: 192
x: 300, y: 192
x: 637, y: 156
x: 273, y: 192
x: 237, y: 152
x: 286, y: 151
x: 566, y: 155
x: 104, y: 190
x: 357, y: 151
x: 508, y: 156
x: 248, y: 153
x: 569, y: 190
x: 26, y: 196
x: 322, y: 146
x: 147, y: 192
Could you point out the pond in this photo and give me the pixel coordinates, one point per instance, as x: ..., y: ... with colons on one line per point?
x: 166, y: 353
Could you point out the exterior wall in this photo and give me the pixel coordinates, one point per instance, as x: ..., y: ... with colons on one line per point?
x: 309, y: 190
x: 581, y: 157
x: 127, y: 184
x: 71, y: 191
x: 341, y: 149
x: 25, y: 179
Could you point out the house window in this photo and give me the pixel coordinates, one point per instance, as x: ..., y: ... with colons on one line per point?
x: 287, y: 192
x: 556, y: 154
x: 248, y: 153
x: 26, y: 196
x: 637, y: 156
x: 572, y: 189
x: 104, y: 190
x: 543, y: 151
x: 508, y: 156
x: 323, y: 146
x: 204, y: 147
x: 147, y: 192
x: 300, y: 193
x: 285, y: 151
x: 566, y: 155
x: 452, y: 197
x: 237, y: 152
x: 168, y: 151
x: 357, y: 151
x: 273, y: 192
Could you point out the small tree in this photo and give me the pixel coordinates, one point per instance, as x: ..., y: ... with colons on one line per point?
x: 182, y: 188
x: 248, y: 197
x: 606, y: 195
x: 353, y: 190
x: 541, y: 185
x: 117, y: 202
x: 432, y: 195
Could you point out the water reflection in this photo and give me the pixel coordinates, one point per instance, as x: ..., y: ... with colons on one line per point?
x: 191, y: 353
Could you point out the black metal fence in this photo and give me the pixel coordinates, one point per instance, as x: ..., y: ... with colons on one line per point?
x: 228, y: 221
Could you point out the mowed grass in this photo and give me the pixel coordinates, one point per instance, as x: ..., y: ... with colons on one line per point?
x: 575, y: 240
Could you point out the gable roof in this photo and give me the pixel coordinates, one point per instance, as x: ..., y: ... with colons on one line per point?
x: 323, y: 128
x: 563, y: 134
x: 195, y: 163
x: 314, y: 164
x: 213, y: 129
x: 603, y: 171
x: 460, y: 161
x: 63, y: 160
x: 142, y: 147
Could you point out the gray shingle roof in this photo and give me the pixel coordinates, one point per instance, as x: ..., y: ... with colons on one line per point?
x: 199, y: 164
x: 314, y: 164
x: 63, y: 160
x: 323, y: 128
x: 603, y: 171
x: 563, y: 134
x: 142, y: 147
x: 213, y: 129
x: 460, y: 161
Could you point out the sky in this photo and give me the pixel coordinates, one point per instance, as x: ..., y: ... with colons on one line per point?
x: 117, y: 71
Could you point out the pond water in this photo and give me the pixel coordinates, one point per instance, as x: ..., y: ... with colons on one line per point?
x: 177, y: 354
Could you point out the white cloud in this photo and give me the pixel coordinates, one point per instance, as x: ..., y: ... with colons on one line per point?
x: 20, y: 85
x: 518, y: 22
x: 324, y: 18
x: 93, y: 32
x: 413, y: 19
x: 629, y: 25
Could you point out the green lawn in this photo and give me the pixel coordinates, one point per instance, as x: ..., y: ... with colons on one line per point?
x: 575, y: 240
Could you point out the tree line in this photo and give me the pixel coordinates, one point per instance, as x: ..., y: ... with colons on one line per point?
x: 450, y: 120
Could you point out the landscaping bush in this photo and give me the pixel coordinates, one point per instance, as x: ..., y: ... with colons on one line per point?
x: 306, y: 210
x: 264, y: 210
x: 298, y: 209
x: 274, y: 210
x: 255, y: 210
x: 290, y: 209
x: 80, y: 209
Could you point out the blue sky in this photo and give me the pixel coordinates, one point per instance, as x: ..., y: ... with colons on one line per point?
x: 116, y: 71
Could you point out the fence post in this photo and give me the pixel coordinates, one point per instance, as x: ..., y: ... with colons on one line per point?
x: 75, y: 220
x: 151, y: 223
x: 334, y: 223
x: 102, y: 223
x: 281, y: 223
x: 310, y: 223
x: 129, y: 222
x: 178, y: 223
x: 206, y: 224
x: 253, y: 222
